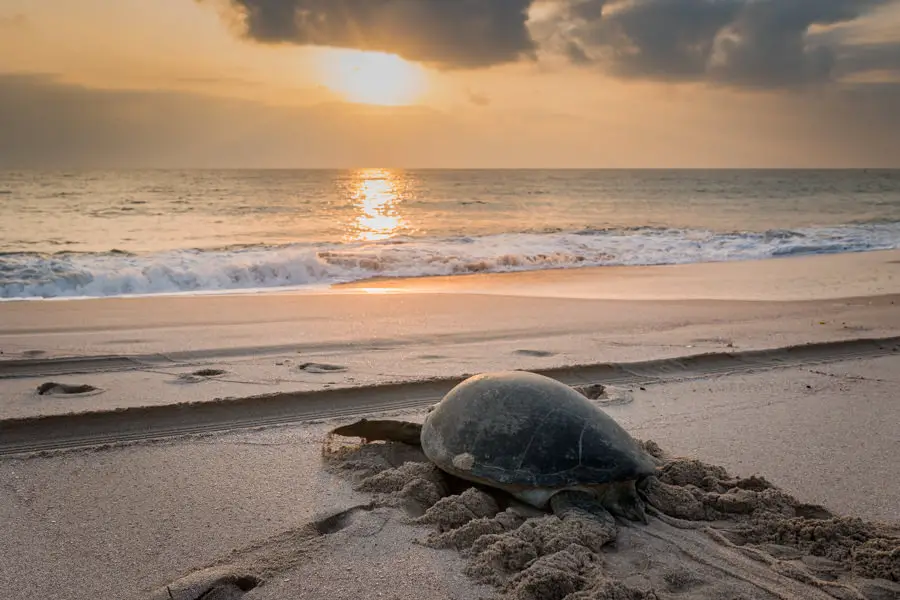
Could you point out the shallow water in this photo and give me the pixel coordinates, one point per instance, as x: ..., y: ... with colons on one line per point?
x: 136, y: 232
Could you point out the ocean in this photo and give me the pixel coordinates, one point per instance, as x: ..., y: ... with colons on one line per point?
x: 120, y: 233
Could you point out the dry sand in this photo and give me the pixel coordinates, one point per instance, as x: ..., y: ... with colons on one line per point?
x: 122, y: 520
x: 711, y: 536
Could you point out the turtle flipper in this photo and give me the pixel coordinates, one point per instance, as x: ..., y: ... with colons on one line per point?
x: 632, y: 510
x: 571, y: 503
x: 386, y: 430
x: 618, y: 499
x: 621, y: 498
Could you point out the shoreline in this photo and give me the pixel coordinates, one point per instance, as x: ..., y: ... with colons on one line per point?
x: 815, y: 418
x: 149, y: 351
x: 534, y: 281
x: 789, y: 278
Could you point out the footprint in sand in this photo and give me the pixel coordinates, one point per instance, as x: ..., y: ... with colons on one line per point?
x: 537, y: 353
x: 209, y: 372
x: 209, y: 584
x: 232, y: 582
x: 351, y: 516
x: 605, y: 395
x: 321, y: 368
x: 592, y: 391
x: 52, y: 388
x: 200, y: 375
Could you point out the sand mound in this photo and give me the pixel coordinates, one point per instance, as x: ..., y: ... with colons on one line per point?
x: 763, y: 515
x: 713, y: 536
x: 361, y: 461
x: 454, y: 512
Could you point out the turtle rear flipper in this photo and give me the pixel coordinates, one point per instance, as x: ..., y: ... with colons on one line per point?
x: 384, y: 430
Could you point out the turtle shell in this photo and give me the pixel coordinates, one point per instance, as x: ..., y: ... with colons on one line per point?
x: 519, y: 430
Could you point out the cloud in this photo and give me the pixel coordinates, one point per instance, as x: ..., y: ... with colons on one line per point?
x: 742, y: 43
x: 865, y: 58
x: 737, y: 43
x: 444, y: 33
x: 50, y: 124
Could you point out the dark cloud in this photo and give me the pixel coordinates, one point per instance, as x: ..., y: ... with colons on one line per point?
x: 576, y: 54
x: 742, y: 43
x: 768, y: 44
x: 443, y: 33
x: 668, y: 39
x: 863, y: 58
x: 754, y: 43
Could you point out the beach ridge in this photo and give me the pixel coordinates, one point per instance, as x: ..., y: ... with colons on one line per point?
x: 44, y: 433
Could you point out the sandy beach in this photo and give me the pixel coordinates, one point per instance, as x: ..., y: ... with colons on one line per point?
x: 450, y: 300
x: 198, y: 441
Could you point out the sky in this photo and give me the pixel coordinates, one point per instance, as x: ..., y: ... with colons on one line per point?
x: 449, y: 83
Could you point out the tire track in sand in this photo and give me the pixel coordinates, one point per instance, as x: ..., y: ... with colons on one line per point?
x: 57, y: 432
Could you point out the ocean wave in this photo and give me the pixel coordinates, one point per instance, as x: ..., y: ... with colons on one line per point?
x: 116, y: 273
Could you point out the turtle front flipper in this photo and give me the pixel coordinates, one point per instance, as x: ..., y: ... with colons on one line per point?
x: 575, y: 503
x: 621, y: 498
x: 617, y: 499
x: 384, y: 430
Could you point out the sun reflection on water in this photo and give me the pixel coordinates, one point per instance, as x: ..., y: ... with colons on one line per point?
x: 376, y: 197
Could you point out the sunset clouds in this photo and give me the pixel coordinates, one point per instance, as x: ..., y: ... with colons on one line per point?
x: 505, y: 83
x: 754, y: 43
x: 742, y: 43
x: 443, y: 33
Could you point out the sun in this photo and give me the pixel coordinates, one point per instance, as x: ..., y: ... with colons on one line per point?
x: 372, y: 77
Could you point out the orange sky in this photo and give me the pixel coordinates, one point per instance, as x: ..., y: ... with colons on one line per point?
x: 172, y: 83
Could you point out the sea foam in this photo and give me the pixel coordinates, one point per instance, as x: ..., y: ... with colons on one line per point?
x: 34, y: 275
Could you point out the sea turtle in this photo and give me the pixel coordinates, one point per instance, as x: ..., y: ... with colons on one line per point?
x: 531, y: 436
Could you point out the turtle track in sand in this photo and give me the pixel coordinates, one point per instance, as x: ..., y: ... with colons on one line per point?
x: 712, y: 536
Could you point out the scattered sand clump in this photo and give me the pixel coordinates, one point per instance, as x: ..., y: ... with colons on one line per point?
x: 526, y: 554
x: 453, y: 512
x: 709, y: 536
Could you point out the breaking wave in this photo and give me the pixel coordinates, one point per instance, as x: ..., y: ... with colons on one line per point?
x: 254, y: 268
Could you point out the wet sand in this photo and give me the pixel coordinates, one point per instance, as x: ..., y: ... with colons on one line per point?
x: 170, y: 350
x: 122, y: 520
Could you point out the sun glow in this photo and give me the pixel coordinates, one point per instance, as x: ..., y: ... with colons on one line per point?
x: 372, y: 77
x: 376, y: 196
